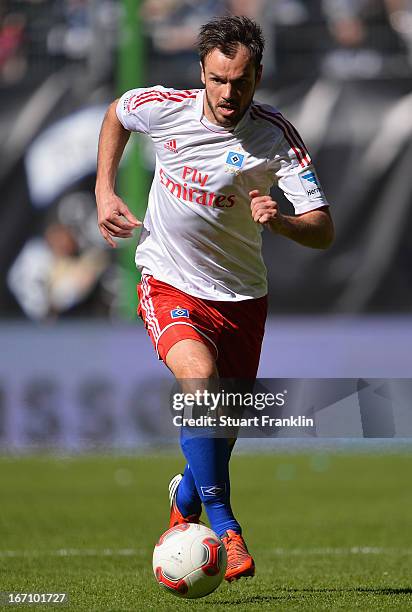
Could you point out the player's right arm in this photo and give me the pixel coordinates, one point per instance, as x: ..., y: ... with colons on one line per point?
x: 114, y: 218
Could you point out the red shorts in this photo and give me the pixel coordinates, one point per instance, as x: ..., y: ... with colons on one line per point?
x: 233, y: 331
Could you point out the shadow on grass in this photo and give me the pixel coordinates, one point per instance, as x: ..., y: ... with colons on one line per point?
x: 286, y: 593
x: 248, y: 600
x: 373, y: 590
x: 384, y: 591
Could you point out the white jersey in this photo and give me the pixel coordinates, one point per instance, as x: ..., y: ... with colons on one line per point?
x: 198, y: 233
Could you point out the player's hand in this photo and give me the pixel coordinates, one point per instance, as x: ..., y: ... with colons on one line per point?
x: 114, y: 218
x: 264, y: 209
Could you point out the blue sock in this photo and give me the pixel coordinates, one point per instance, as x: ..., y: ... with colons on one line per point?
x: 209, y: 464
x: 187, y: 497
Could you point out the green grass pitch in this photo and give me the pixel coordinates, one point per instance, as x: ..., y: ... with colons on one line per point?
x: 328, y: 531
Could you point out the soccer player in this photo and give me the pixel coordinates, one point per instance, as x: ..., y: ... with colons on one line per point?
x: 203, y: 288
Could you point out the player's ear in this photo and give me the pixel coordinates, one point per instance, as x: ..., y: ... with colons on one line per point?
x: 202, y: 74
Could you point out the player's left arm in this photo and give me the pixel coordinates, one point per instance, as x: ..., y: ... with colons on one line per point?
x: 295, y: 175
x: 313, y: 229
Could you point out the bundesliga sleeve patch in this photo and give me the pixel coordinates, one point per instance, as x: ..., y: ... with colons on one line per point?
x: 310, y: 184
x: 176, y: 313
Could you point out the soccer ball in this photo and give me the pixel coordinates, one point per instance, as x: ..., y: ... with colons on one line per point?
x: 189, y: 560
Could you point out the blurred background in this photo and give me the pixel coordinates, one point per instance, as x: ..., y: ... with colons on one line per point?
x: 76, y: 367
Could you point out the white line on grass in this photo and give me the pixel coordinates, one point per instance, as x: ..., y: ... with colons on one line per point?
x: 75, y: 552
x: 353, y: 550
x: 138, y: 552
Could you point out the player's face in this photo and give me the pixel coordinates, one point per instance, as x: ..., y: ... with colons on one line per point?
x: 230, y: 84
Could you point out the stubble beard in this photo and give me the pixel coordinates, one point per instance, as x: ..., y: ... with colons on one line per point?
x: 227, y: 123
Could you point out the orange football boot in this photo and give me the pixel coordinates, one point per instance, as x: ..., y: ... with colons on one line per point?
x: 176, y: 517
x: 240, y: 564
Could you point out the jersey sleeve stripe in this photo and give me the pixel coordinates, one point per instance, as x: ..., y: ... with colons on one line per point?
x: 175, y: 99
x: 160, y: 96
x: 286, y: 133
x: 151, y: 99
x: 290, y: 133
x: 294, y: 133
x: 149, y: 94
x: 136, y: 99
x: 289, y: 126
x: 297, y: 137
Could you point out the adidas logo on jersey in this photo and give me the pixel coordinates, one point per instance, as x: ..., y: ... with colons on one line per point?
x: 171, y: 146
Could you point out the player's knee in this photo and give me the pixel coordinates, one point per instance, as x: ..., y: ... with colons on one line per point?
x: 191, y: 359
x: 194, y: 367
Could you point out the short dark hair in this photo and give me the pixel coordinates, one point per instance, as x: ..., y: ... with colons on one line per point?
x: 227, y: 33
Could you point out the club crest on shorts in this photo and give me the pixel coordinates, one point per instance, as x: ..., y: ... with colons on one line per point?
x: 178, y: 312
